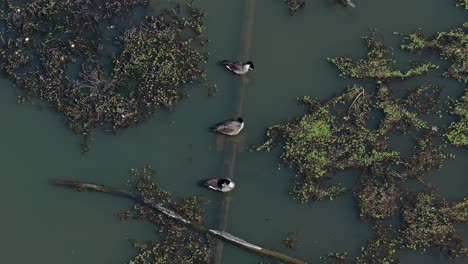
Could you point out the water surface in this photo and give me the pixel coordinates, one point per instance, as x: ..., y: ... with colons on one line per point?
x: 45, y: 224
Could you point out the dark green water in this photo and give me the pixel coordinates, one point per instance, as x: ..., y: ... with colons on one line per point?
x: 45, y: 224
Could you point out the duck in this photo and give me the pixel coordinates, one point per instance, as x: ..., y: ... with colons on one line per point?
x: 238, y: 67
x: 230, y: 128
x: 220, y: 184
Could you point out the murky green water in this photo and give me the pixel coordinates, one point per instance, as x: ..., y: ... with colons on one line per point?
x: 45, y: 224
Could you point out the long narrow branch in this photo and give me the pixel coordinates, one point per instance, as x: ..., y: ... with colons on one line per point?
x: 84, y: 186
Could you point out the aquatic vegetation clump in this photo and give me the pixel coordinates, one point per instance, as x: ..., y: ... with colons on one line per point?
x: 294, y: 5
x: 291, y: 240
x: 452, y: 45
x: 58, y: 51
x: 458, y: 131
x: 176, y: 242
x: 426, y: 99
x: 378, y: 199
x: 463, y: 3
x: 379, y: 64
x: 397, y: 115
x: 321, y: 143
x: 429, y: 223
x: 335, y: 136
x: 351, y: 131
x: 382, y: 249
x: 334, y: 258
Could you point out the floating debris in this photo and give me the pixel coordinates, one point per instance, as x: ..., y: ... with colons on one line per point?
x: 176, y: 242
x: 291, y: 240
x: 182, y: 237
x: 348, y: 3
x: 294, y: 5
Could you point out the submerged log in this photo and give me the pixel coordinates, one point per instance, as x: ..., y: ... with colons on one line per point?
x: 233, y: 146
x: 85, y: 186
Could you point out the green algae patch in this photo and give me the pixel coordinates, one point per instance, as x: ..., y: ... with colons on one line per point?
x: 294, y: 5
x: 458, y: 131
x: 98, y: 71
x: 452, y: 45
x: 379, y: 64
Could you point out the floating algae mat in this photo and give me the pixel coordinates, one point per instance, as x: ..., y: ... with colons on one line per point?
x: 354, y: 148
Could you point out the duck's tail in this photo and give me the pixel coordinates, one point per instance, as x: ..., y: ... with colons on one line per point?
x: 213, y: 128
x: 202, y: 183
x: 227, y: 64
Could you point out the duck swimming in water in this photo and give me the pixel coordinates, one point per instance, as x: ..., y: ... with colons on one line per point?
x: 220, y: 184
x: 230, y: 128
x: 238, y: 67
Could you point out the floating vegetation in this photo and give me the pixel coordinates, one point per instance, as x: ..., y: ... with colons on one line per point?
x: 452, y: 45
x: 182, y: 238
x: 334, y: 136
x: 334, y: 258
x: 338, y: 134
x: 57, y: 51
x: 379, y: 64
x: 378, y: 199
x: 176, y: 242
x: 463, y: 3
x: 382, y: 249
x: 295, y: 5
x: 429, y: 222
x: 458, y: 131
x: 291, y: 240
